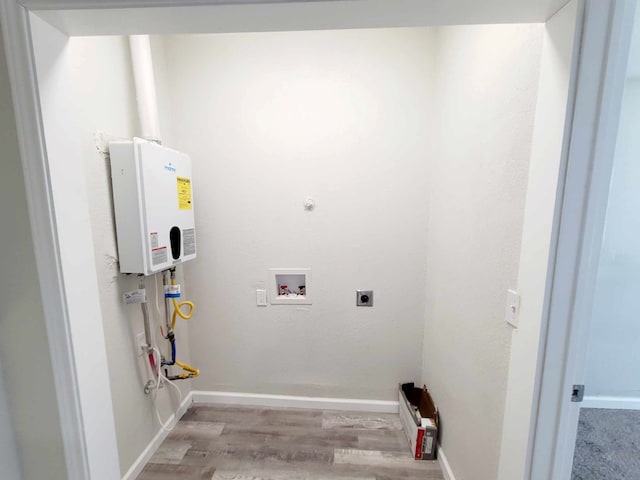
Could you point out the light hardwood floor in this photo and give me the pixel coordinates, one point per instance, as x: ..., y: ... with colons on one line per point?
x: 240, y: 443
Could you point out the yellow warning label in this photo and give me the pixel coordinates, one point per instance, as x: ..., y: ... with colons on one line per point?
x: 184, y: 193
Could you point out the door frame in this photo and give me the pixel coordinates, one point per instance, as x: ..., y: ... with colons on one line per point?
x: 69, y: 387
x: 600, y: 83
x: 33, y: 152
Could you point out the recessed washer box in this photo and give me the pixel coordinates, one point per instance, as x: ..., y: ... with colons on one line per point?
x: 153, y: 204
x: 290, y: 286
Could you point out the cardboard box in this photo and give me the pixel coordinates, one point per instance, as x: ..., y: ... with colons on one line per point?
x: 419, y: 417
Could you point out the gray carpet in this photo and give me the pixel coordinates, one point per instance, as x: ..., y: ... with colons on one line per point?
x: 608, y: 445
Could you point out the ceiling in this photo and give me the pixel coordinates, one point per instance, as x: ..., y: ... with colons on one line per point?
x: 79, y: 17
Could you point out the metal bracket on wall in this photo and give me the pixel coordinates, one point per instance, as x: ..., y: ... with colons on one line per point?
x: 577, y: 393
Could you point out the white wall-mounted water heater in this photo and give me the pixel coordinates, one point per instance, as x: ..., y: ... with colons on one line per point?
x: 153, y: 203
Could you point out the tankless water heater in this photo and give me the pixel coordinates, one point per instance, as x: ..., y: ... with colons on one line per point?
x: 153, y: 203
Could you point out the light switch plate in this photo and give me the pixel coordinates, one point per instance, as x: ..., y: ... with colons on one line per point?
x: 512, y: 310
x: 261, y: 297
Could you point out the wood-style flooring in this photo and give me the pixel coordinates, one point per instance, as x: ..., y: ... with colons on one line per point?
x: 241, y: 443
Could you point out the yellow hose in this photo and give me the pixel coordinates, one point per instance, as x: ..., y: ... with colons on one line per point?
x: 177, y: 309
x: 188, y: 368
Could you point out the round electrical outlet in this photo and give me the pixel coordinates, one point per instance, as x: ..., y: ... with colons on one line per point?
x: 364, y: 298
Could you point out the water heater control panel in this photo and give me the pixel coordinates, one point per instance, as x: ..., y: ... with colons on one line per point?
x: 153, y: 203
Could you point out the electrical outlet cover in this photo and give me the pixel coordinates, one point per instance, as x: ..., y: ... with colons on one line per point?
x: 140, y: 342
x: 364, y: 298
x: 261, y: 297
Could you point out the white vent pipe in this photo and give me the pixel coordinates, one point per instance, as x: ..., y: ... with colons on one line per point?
x: 145, y: 85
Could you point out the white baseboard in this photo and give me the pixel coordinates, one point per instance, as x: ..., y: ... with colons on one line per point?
x: 148, y: 452
x: 287, y: 401
x: 615, y: 403
x: 444, y: 464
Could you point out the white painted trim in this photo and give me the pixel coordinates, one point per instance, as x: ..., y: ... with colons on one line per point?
x: 614, y: 403
x: 588, y: 176
x: 24, y: 88
x: 53, y: 64
x: 546, y: 179
x: 288, y: 401
x: 155, y: 443
x: 124, y: 17
x: 447, y: 472
x: 75, y: 4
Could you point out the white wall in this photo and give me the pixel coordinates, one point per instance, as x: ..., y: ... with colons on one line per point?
x: 270, y: 118
x: 8, y: 448
x: 633, y: 67
x: 613, y: 359
x: 347, y: 118
x: 75, y: 248
x: 485, y: 89
x: 27, y: 391
x: 105, y: 102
